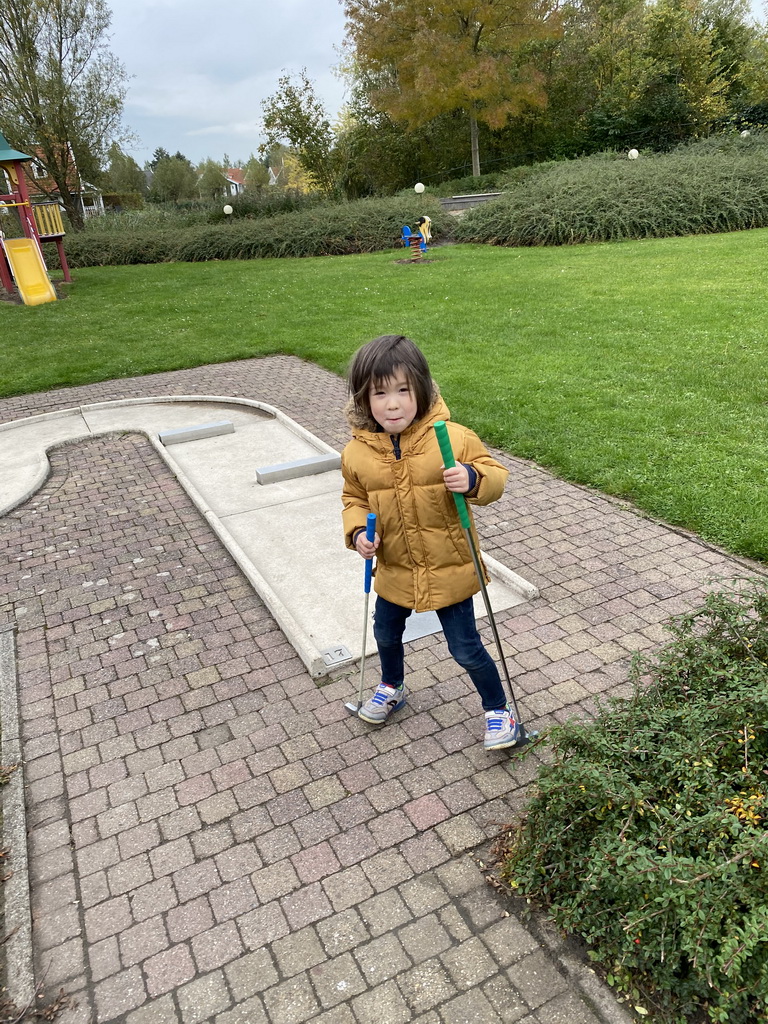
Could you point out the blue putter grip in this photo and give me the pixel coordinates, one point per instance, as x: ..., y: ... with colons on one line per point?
x: 370, y: 534
x: 441, y: 430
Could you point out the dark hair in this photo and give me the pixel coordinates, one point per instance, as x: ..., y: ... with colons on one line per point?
x: 379, y: 360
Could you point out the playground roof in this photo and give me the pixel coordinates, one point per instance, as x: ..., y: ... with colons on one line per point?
x: 6, y: 153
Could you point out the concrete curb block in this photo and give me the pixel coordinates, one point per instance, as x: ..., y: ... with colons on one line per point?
x: 297, y: 637
x: 15, y: 892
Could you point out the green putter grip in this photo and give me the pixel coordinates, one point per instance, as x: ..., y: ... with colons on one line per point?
x: 441, y: 431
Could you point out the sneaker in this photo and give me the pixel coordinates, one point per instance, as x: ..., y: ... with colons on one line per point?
x: 501, y: 729
x: 385, y: 700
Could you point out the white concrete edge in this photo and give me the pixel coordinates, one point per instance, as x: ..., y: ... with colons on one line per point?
x: 297, y: 637
x: 248, y: 403
x: 41, y: 417
x: 41, y: 475
x: 503, y: 574
x: 14, y: 891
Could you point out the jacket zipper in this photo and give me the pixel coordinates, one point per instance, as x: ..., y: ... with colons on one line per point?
x: 395, y: 439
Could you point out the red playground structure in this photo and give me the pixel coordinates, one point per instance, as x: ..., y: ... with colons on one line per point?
x: 22, y: 266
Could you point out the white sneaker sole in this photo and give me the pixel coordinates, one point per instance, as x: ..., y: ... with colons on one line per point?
x: 511, y: 741
x: 380, y: 721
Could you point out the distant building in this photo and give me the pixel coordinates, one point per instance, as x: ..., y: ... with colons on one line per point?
x: 235, y: 179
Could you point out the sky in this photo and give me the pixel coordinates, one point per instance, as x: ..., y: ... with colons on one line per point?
x: 199, y: 71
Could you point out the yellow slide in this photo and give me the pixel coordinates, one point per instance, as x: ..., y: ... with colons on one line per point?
x: 29, y: 271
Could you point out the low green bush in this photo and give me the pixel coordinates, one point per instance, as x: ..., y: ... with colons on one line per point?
x: 266, y: 202
x: 646, y: 834
x: 719, y: 185
x: 367, y: 225
x: 464, y: 186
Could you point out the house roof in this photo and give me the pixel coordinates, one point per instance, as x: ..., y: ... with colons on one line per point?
x: 6, y: 153
x: 235, y: 174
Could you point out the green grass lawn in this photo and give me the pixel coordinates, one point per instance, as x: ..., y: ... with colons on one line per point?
x: 638, y: 368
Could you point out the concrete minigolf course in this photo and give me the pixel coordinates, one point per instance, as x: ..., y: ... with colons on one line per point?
x: 270, y: 490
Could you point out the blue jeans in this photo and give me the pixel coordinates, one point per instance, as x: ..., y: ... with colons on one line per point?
x: 464, y: 643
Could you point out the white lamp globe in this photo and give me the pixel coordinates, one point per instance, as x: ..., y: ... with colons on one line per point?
x: 228, y: 210
x: 633, y: 154
x: 418, y: 187
x: 745, y: 134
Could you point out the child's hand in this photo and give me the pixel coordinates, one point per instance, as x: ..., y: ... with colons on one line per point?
x: 456, y: 479
x: 365, y: 547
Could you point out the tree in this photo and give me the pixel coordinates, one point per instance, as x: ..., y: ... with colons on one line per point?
x: 295, y: 113
x: 211, y: 183
x: 174, y: 179
x: 256, y: 173
x: 470, y: 55
x: 159, y: 154
x: 62, y: 90
x: 123, y: 173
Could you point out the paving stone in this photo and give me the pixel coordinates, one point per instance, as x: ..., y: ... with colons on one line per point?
x: 337, y: 980
x: 250, y: 974
x: 567, y: 1008
x: 217, y: 946
x: 203, y: 998
x: 386, y: 1003
x: 263, y: 925
x: 341, y: 932
x: 469, y: 964
x: 505, y: 999
x: 536, y: 978
x: 347, y: 888
x: 156, y: 1011
x: 425, y: 938
x: 306, y: 906
x: 384, y: 913
x: 251, y: 1011
x: 382, y: 959
x: 298, y: 952
x: 469, y: 1008
x: 142, y: 941
x: 292, y: 1002
x: 118, y: 994
x: 426, y: 986
x: 508, y: 941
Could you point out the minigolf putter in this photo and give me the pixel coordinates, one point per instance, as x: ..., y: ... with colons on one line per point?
x: 370, y: 534
x: 441, y: 430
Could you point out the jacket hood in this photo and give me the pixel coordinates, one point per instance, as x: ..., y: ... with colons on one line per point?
x: 358, y: 420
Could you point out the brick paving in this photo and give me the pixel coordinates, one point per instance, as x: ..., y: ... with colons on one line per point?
x: 211, y: 836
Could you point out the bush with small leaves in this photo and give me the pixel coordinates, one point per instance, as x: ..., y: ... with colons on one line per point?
x: 368, y: 225
x: 717, y: 185
x: 647, y: 834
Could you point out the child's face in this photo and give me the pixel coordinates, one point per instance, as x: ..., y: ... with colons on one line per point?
x: 393, y: 404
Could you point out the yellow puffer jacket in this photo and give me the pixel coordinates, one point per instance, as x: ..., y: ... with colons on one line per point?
x: 423, y: 561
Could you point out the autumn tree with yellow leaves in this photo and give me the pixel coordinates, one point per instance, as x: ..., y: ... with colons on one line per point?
x: 426, y: 59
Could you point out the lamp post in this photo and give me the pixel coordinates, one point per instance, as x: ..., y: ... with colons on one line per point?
x: 418, y: 188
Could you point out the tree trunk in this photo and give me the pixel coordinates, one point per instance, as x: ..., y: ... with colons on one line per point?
x: 475, y: 146
x: 72, y: 208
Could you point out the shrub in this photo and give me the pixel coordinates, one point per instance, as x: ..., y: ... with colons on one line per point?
x: 719, y: 185
x: 367, y: 225
x: 266, y: 202
x: 463, y: 186
x: 647, y: 831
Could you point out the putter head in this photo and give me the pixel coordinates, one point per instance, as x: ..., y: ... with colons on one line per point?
x: 525, y: 737
x: 352, y: 708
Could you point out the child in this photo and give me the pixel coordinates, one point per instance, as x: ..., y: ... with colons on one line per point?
x: 393, y: 468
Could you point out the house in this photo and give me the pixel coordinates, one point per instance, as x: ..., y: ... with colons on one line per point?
x: 235, y: 181
x: 42, y: 188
